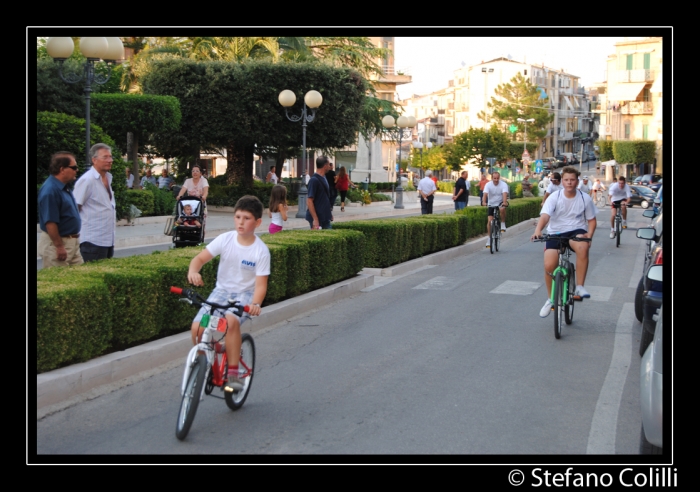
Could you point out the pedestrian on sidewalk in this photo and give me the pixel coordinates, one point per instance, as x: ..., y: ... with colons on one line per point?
x: 460, y: 194
x: 342, y: 183
x: 318, y: 201
x: 59, y: 219
x: 482, y: 183
x: 426, y: 190
x: 98, y: 209
x: 278, y: 208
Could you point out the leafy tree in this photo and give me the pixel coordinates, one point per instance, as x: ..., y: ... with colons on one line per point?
x: 57, y: 131
x: 138, y: 115
x: 520, y: 99
x: 236, y: 107
x: 477, y: 144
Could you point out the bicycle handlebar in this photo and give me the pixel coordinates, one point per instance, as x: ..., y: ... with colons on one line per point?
x: 548, y: 237
x: 194, y: 298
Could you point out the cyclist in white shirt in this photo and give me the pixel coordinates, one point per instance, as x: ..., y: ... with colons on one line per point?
x: 597, y: 186
x: 568, y: 213
x: 496, y: 195
x: 554, y: 185
x: 620, y: 196
x: 585, y: 185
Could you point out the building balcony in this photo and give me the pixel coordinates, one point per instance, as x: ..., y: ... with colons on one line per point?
x: 637, y: 107
x: 395, y: 75
x: 636, y: 75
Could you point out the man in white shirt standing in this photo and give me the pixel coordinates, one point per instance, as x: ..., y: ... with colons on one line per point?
x: 98, y: 210
x: 495, y: 195
x: 620, y: 196
x: 568, y: 213
x: 426, y: 190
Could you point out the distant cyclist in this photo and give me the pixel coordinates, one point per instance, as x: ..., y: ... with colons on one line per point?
x: 620, y: 196
x: 496, y: 196
x: 554, y: 185
x: 585, y: 185
x: 597, y: 187
x: 569, y: 213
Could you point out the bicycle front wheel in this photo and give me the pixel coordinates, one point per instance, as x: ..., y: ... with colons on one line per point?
x: 498, y: 236
x: 618, y: 230
x: 236, y: 399
x: 190, y: 400
x: 558, y: 308
x: 494, y: 226
x: 569, y: 308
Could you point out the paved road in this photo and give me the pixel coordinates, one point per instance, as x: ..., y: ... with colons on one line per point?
x: 447, y: 360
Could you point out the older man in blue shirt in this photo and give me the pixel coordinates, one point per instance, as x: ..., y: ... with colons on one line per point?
x: 59, y: 219
x: 165, y: 181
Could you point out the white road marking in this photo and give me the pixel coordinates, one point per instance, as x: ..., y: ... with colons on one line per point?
x: 517, y: 288
x: 601, y: 439
x: 440, y: 283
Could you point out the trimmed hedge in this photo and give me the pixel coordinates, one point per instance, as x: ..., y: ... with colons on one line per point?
x: 108, y: 305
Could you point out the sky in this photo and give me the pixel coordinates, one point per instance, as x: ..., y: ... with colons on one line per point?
x: 431, y: 61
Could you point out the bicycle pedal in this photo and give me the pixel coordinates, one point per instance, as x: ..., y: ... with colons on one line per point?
x: 578, y: 298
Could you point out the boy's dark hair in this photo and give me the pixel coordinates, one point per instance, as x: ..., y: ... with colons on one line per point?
x: 250, y: 203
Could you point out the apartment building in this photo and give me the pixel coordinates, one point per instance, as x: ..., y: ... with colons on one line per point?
x: 473, y: 87
x: 631, y: 97
x: 376, y: 159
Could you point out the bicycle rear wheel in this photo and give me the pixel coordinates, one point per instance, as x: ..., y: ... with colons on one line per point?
x: 558, y: 308
x: 236, y: 399
x: 494, y: 226
x: 190, y: 400
x: 569, y: 308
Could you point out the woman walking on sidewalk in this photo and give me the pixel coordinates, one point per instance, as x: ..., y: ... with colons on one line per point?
x: 342, y: 183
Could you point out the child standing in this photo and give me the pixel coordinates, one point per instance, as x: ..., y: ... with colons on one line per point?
x: 278, y: 208
x: 244, y: 267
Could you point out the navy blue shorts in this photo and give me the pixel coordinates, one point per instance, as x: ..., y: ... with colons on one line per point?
x: 553, y: 244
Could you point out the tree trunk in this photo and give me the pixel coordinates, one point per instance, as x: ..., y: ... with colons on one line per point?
x: 239, y: 164
x: 132, y: 154
x: 279, y: 162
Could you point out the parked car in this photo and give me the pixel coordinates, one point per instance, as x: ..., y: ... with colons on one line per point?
x: 589, y: 156
x: 642, y: 196
x: 647, y: 179
x: 649, y: 295
x: 657, y: 185
x: 659, y: 200
x: 560, y: 161
x: 548, y: 163
x: 651, y: 388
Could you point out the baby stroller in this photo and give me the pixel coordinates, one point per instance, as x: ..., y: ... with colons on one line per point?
x: 187, y: 232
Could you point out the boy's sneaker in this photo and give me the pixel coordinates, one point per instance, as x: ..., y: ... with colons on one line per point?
x: 233, y: 385
x: 582, y: 292
x: 546, y: 309
x: 488, y: 243
x: 503, y: 227
x: 624, y: 224
x: 612, y: 234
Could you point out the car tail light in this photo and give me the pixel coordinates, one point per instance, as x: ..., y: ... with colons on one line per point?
x: 659, y: 259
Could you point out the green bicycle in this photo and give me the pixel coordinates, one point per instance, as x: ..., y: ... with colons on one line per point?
x: 563, y: 296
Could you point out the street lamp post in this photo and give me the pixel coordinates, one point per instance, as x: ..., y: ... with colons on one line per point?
x: 526, y: 121
x: 405, y: 126
x: 313, y: 100
x: 94, y: 49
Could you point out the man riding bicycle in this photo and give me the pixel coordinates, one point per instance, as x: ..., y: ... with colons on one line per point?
x: 569, y: 213
x: 496, y: 195
x: 620, y: 196
x: 596, y: 188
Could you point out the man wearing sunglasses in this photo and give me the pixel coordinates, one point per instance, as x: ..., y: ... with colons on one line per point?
x: 554, y: 185
x: 59, y: 219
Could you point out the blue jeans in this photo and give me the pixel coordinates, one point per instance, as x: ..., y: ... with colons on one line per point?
x: 91, y: 252
x: 460, y: 205
x: 324, y: 225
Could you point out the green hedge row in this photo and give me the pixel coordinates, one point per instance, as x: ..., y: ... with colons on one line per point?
x: 108, y: 305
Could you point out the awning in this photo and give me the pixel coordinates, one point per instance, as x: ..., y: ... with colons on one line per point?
x: 657, y: 85
x: 568, y: 103
x: 626, y: 92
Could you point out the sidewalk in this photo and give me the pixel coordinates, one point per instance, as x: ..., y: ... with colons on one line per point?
x: 149, y: 230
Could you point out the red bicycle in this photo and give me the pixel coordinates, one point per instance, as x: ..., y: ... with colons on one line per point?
x: 206, y: 366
